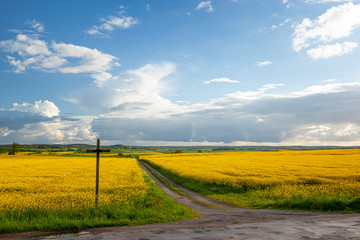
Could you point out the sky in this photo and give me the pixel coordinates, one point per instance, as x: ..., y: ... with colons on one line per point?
x: 180, y: 72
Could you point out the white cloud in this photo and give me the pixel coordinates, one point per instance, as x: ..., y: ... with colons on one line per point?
x: 114, y: 22
x: 254, y: 95
x: 327, y: 88
x: 36, y: 25
x: 134, y: 93
x: 33, y: 53
x: 288, y: 5
x: 331, y: 50
x: 4, y: 131
x: 336, y: 23
x: 328, y: 1
x: 207, y: 5
x: 330, y: 80
x: 148, y: 7
x: 263, y: 63
x: 57, y: 131
x: 271, y: 86
x: 348, y: 130
x: 182, y: 102
x: 100, y: 78
x: 92, y: 60
x: 40, y: 123
x: 43, y: 108
x: 344, y: 134
x: 221, y: 80
x: 26, y: 45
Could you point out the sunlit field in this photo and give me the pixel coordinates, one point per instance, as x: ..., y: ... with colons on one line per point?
x: 315, y: 180
x: 49, y: 192
x: 53, y: 182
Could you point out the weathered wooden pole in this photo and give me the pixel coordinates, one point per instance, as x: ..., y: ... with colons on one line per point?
x: 97, y: 172
x: 98, y: 151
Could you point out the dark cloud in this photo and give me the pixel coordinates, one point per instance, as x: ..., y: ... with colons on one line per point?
x: 318, y: 116
x: 330, y: 107
x: 143, y: 129
x: 15, y: 120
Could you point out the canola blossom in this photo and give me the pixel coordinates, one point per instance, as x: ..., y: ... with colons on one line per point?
x: 272, y: 174
x: 57, y: 182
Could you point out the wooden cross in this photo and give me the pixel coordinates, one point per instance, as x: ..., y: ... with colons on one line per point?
x: 98, y: 151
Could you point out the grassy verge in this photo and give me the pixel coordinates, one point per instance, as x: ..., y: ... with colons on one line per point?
x: 243, y: 197
x: 156, y: 207
x: 175, y: 189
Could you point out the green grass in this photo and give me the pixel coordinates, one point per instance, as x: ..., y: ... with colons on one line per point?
x: 175, y: 189
x: 156, y: 207
x: 242, y: 197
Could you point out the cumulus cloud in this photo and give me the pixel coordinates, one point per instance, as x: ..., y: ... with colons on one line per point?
x: 26, y: 45
x: 133, y: 93
x: 57, y: 131
x: 111, y: 23
x: 91, y: 60
x: 221, y: 80
x: 336, y: 23
x: 327, y: 51
x: 207, y: 5
x: 40, y: 123
x: 29, y: 52
x: 263, y: 63
x: 43, y: 108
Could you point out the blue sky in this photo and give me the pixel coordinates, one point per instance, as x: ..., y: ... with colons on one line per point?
x: 189, y: 72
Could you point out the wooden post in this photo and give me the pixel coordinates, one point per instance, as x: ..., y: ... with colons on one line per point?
x: 97, y: 172
x: 98, y: 151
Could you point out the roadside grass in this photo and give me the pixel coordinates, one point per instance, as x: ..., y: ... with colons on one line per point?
x: 156, y: 207
x: 243, y: 197
x: 175, y: 189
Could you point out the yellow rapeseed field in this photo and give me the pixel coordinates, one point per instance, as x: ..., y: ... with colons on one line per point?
x: 67, y: 182
x: 272, y: 174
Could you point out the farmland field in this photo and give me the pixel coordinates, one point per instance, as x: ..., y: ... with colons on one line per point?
x: 53, y: 182
x: 323, y: 180
x: 55, y: 192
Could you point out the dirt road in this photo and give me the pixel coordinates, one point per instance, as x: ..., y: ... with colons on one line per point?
x: 227, y: 222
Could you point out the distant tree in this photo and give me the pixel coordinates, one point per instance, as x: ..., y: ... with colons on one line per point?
x: 200, y: 151
x: 15, y: 147
x: 178, y: 151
